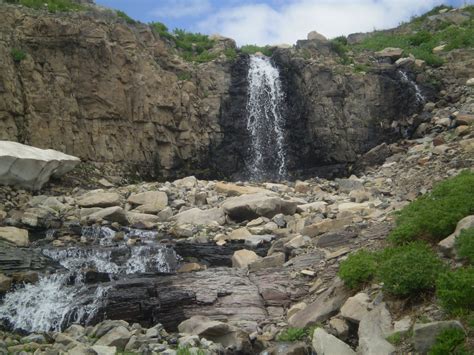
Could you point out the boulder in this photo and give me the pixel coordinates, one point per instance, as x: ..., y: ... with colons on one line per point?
x: 374, y: 327
x: 5, y: 283
x: 197, y: 217
x: 390, y: 52
x: 325, y: 226
x: 118, y: 336
x: 447, y: 244
x: 327, y: 344
x: 347, y: 185
x: 424, y: 335
x: 150, y: 201
x: 29, y: 167
x: 99, y: 199
x: 319, y: 207
x: 323, y: 307
x: 356, y: 307
x: 111, y: 214
x: 243, y: 258
x: 104, y: 350
x: 315, y: 36
x: 142, y: 220
x: 297, y: 348
x: 230, y: 189
x: 229, y: 336
x: 14, y: 235
x: 248, y: 207
x: 188, y: 182
x: 274, y: 260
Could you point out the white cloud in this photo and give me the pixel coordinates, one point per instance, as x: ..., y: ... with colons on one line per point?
x: 182, y: 8
x: 262, y: 24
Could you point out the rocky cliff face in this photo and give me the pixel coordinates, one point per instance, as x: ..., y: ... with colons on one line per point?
x: 94, y: 87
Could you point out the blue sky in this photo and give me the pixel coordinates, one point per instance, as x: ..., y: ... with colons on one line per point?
x: 276, y: 21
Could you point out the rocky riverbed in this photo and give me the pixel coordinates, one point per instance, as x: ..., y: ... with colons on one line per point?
x: 217, y: 266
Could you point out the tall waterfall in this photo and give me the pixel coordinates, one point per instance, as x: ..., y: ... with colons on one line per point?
x: 265, y: 121
x: 420, y: 99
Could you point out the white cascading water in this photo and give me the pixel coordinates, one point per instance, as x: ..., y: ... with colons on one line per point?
x: 265, y: 121
x: 418, y: 94
x: 63, y: 298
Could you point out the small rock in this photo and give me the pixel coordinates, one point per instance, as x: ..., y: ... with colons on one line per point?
x: 273, y: 260
x: 243, y: 258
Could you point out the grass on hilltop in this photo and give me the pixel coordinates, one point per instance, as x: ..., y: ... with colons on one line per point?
x: 50, y: 5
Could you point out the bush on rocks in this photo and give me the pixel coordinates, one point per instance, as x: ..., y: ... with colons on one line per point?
x: 465, y: 245
x: 358, y: 269
x: 434, y: 216
x: 409, y: 269
x: 455, y: 290
x: 449, y: 341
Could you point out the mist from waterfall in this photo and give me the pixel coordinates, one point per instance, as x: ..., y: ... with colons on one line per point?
x: 265, y: 121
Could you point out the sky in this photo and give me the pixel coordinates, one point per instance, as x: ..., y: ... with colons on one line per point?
x: 276, y: 21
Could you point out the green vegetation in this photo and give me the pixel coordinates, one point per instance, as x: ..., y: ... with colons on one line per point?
x: 292, y: 334
x: 416, y: 38
x: 297, y: 334
x: 455, y: 290
x: 465, y: 245
x: 358, y: 269
x: 252, y: 49
x: 395, y: 339
x: 434, y: 216
x: 185, y: 350
x: 127, y: 18
x: 193, y: 47
x: 50, y: 5
x: 161, y: 29
x: 449, y: 341
x: 409, y: 269
x: 404, y: 270
x: 18, y: 55
x: 230, y: 53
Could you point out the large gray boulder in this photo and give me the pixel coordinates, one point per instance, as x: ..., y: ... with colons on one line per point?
x: 229, y: 336
x: 29, y: 167
x: 247, y: 207
x: 374, y: 328
x: 327, y: 344
x: 424, y: 335
x: 198, y: 217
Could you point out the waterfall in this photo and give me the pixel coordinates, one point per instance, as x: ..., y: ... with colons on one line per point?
x: 60, y: 299
x: 265, y: 121
x: 420, y: 98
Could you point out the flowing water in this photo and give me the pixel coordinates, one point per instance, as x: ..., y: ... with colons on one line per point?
x: 420, y: 98
x: 265, y: 121
x: 60, y: 299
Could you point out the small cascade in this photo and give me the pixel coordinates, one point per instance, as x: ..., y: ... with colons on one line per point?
x: 60, y: 299
x: 265, y: 121
x: 420, y: 98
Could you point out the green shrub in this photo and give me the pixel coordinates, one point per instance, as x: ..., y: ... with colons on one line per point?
x: 161, y: 29
x: 465, y: 245
x: 51, y: 5
x: 192, y: 42
x: 127, y: 18
x: 230, y: 53
x: 409, y: 269
x: 455, y: 290
x: 434, y: 216
x: 449, y: 341
x: 358, y: 269
x: 292, y: 334
x: 18, y: 55
x: 252, y: 49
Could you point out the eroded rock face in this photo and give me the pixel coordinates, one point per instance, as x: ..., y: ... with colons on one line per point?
x: 29, y: 167
x: 101, y: 90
